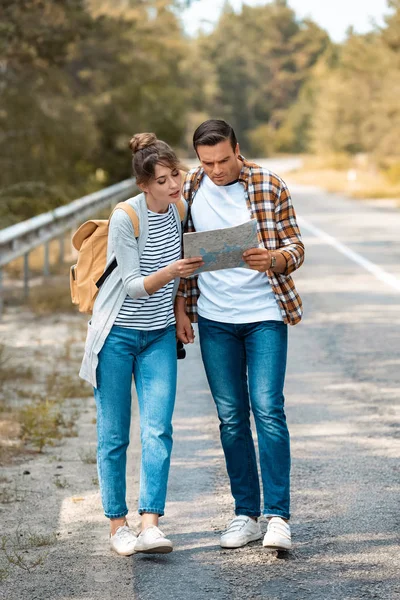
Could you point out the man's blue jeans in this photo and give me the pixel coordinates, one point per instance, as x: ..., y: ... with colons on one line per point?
x: 151, y: 357
x: 245, y: 365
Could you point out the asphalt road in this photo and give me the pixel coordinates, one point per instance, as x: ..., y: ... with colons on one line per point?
x: 342, y: 398
x: 342, y: 395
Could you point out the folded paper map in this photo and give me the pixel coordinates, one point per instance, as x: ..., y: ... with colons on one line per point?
x: 221, y: 248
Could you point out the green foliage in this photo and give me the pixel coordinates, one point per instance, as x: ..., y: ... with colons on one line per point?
x: 40, y: 423
x: 21, y: 549
x: 356, y: 103
x: 393, y: 173
x: 262, y: 57
x: 88, y: 456
x: 78, y: 78
x: 29, y: 198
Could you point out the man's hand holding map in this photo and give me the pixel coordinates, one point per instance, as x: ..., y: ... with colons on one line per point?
x: 221, y: 248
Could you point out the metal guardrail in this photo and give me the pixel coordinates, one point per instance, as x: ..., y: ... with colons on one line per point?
x: 18, y: 240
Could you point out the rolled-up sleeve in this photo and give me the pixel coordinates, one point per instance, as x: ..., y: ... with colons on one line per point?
x: 182, y: 289
x: 290, y: 242
x: 125, y: 247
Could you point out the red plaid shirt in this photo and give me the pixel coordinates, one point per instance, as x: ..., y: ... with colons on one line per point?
x: 268, y: 200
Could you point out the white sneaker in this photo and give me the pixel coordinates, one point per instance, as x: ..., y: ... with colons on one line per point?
x: 241, y: 531
x: 123, y: 541
x: 278, y: 535
x: 152, y: 540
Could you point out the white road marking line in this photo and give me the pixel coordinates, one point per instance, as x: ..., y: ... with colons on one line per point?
x: 378, y: 272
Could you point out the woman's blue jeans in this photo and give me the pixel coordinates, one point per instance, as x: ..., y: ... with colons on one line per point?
x: 245, y: 365
x: 151, y: 357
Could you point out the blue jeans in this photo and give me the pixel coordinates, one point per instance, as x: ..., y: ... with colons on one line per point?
x: 151, y: 357
x: 245, y: 365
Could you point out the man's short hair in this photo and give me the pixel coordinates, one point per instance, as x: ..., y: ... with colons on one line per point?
x: 212, y: 132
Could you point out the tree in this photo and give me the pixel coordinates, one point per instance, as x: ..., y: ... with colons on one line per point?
x: 356, y: 107
x: 77, y: 80
x: 262, y: 57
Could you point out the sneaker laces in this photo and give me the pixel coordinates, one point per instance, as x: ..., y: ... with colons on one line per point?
x: 123, y: 533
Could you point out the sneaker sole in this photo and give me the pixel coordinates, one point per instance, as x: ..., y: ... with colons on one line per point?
x: 155, y: 550
x: 277, y: 546
x: 129, y: 553
x: 232, y: 545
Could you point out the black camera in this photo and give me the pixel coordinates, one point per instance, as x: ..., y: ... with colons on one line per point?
x: 180, y: 350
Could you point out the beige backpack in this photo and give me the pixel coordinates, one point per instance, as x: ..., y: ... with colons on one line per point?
x: 87, y: 275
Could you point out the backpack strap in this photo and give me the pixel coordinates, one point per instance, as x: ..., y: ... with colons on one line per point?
x: 193, y: 181
x: 135, y: 224
x: 180, y: 205
x: 132, y: 214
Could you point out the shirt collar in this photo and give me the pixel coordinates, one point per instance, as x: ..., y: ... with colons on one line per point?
x: 245, y: 171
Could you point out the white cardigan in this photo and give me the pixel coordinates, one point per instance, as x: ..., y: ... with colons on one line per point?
x: 126, y: 279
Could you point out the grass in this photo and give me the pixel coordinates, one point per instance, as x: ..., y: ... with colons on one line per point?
x: 356, y: 177
x: 45, y: 420
x: 8, y: 371
x: 64, y: 386
x: 19, y: 550
x: 52, y: 297
x: 89, y: 456
x: 48, y: 413
x: 61, y: 483
x: 40, y: 423
x: 9, y: 495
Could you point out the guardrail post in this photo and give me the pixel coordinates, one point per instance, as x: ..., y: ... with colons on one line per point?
x: 71, y: 246
x: 61, y: 252
x: 46, y: 263
x: 1, y: 293
x: 26, y: 275
x: 19, y: 240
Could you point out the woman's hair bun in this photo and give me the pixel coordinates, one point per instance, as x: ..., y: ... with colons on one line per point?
x: 142, y: 140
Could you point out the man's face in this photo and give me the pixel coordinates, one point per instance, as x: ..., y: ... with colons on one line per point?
x: 220, y: 162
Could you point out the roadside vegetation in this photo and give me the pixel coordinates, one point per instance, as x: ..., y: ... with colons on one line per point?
x: 39, y: 407
x: 355, y: 176
x: 79, y: 78
x: 42, y: 404
x: 24, y: 550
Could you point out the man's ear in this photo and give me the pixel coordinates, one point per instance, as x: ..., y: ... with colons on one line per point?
x: 237, y: 150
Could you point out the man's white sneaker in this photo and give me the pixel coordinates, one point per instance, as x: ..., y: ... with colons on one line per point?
x: 241, y: 531
x: 278, y: 535
x: 123, y: 541
x: 152, y: 541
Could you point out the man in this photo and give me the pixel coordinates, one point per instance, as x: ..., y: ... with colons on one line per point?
x: 243, y: 315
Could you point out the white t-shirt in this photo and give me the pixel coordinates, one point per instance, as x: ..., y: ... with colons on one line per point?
x: 230, y: 295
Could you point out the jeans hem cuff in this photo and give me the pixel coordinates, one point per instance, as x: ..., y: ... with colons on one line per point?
x: 116, y: 515
x: 247, y: 513
x: 155, y: 511
x: 276, y: 513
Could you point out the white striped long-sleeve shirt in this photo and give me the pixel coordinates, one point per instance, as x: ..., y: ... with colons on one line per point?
x: 162, y: 248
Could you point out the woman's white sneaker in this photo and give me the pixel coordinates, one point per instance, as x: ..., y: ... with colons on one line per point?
x: 278, y: 535
x: 241, y: 530
x: 152, y: 541
x: 123, y: 541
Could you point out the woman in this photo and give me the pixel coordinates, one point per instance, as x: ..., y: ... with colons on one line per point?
x: 132, y: 331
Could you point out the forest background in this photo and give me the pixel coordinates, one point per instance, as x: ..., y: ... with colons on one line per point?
x: 78, y: 78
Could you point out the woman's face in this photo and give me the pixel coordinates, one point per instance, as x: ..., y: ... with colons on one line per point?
x: 165, y: 187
